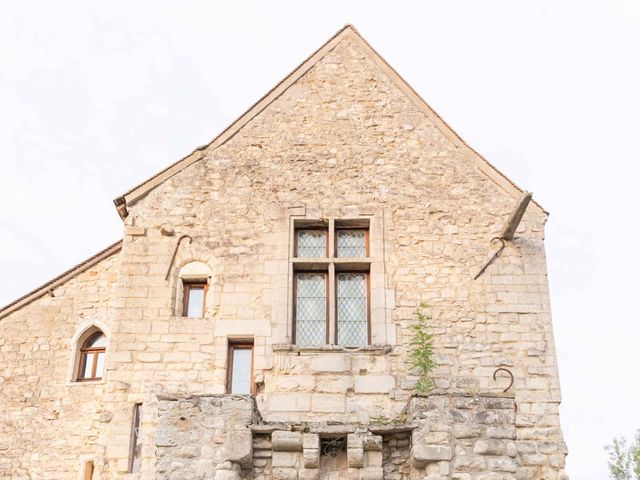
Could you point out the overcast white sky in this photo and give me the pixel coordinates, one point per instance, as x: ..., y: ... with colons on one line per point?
x: 98, y: 96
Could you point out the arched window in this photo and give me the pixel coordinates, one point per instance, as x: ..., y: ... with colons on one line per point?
x: 92, y: 356
x: 193, y: 285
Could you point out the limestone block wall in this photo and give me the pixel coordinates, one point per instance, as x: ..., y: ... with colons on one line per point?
x: 329, y: 384
x: 205, y: 437
x: 467, y: 436
x: 49, y: 424
x: 445, y: 435
x: 343, y: 142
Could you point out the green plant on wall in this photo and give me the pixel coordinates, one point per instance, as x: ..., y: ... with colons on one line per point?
x: 421, y: 349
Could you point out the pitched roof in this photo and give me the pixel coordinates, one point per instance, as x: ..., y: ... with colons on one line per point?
x: 60, y: 279
x: 347, y: 32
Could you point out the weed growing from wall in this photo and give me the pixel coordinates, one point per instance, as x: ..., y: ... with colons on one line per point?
x: 421, y: 349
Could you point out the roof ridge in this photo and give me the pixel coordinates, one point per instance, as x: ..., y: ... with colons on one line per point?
x: 60, y: 279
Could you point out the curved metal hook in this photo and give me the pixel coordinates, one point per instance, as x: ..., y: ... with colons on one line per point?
x: 493, y: 257
x: 175, y: 251
x: 504, y: 370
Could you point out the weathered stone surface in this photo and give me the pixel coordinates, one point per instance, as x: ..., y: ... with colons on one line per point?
x: 371, y: 473
x: 187, y: 427
x: 285, y: 459
x: 372, y: 442
x: 330, y: 362
x: 311, y: 458
x: 286, y: 441
x: 374, y: 383
x: 355, y: 457
x: 489, y: 447
x: 309, y: 474
x: 280, y: 473
x: 421, y: 455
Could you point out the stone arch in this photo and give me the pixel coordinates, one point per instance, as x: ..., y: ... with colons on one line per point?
x: 81, y: 334
x: 191, y: 271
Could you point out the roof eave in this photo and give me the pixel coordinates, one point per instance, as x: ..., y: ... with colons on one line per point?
x: 60, y: 279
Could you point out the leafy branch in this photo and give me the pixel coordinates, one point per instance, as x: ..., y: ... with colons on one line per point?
x: 421, y: 349
x: 624, y: 459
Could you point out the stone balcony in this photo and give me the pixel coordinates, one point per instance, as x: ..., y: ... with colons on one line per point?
x: 441, y: 435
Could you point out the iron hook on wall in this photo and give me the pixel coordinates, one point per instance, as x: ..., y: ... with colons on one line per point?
x: 175, y: 251
x: 508, y: 372
x: 493, y: 257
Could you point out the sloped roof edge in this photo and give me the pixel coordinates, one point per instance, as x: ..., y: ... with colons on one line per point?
x: 60, y: 279
x: 482, y: 164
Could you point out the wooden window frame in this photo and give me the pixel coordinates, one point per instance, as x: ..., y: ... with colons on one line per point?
x: 366, y: 240
x: 84, y: 355
x: 187, y: 285
x: 240, y: 344
x: 326, y: 297
x: 324, y: 228
x: 368, y: 302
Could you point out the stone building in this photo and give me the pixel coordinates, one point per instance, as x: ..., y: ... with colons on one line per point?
x: 254, y: 322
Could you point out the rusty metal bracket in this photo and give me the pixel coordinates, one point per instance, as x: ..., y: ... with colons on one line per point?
x: 493, y: 257
x: 175, y: 251
x: 504, y: 370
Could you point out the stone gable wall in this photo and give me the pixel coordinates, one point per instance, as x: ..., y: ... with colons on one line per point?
x: 344, y: 142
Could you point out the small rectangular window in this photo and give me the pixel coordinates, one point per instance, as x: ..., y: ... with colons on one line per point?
x: 352, y: 309
x: 311, y: 243
x: 135, y: 446
x: 311, y: 308
x: 193, y: 303
x: 351, y: 243
x: 240, y: 369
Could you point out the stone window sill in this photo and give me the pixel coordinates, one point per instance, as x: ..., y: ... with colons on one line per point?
x: 73, y: 383
x: 297, y: 349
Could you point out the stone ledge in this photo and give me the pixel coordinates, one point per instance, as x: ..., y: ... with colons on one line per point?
x: 269, y: 427
x: 186, y: 396
x: 463, y: 393
x: 75, y: 383
x: 391, y: 429
x: 297, y: 349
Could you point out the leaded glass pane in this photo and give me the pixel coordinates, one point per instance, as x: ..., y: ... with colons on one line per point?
x: 351, y: 243
x: 312, y: 243
x: 311, y: 309
x: 352, y: 310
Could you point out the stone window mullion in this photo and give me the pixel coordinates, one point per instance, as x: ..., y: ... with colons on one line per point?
x: 331, y: 291
x: 332, y: 304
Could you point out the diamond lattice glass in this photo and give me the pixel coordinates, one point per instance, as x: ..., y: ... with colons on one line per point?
x: 312, y: 243
x: 352, y: 309
x: 311, y: 308
x: 351, y: 243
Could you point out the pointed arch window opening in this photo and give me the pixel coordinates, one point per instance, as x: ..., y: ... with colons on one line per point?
x: 92, y: 357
